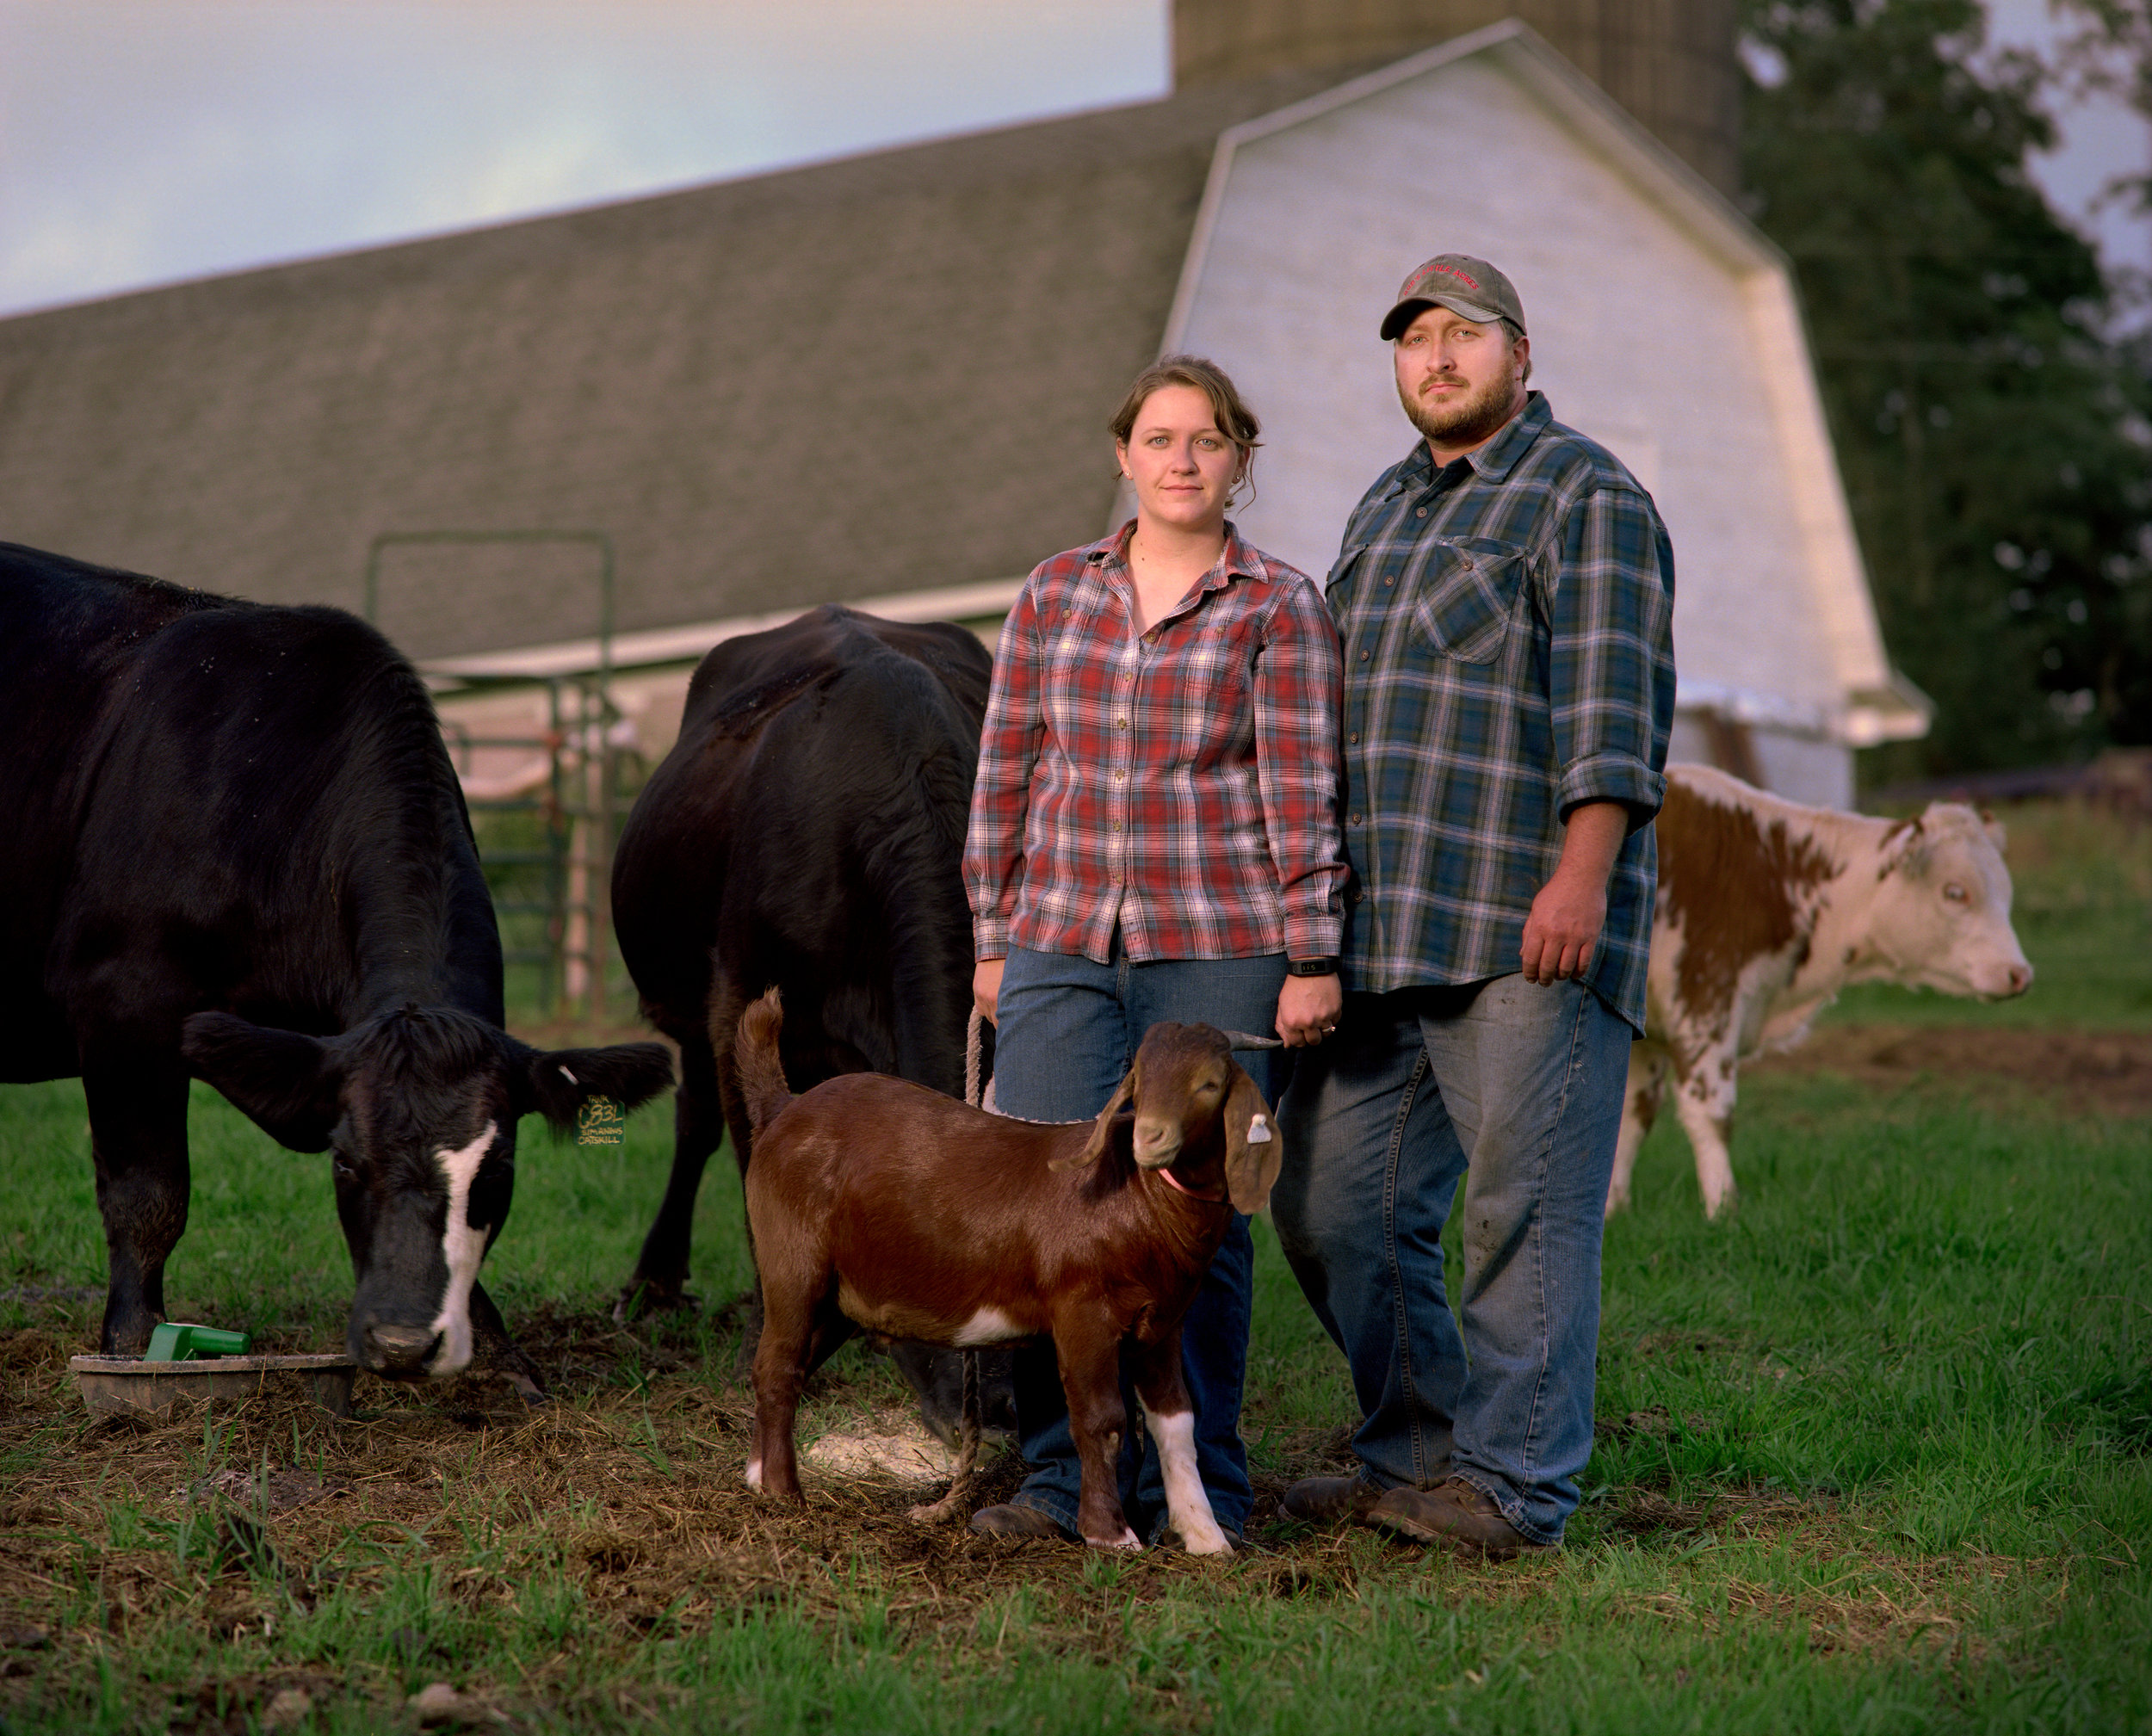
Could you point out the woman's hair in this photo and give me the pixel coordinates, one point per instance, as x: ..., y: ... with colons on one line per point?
x: 1235, y: 419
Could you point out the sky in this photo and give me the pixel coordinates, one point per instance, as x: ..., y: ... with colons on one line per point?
x: 148, y: 141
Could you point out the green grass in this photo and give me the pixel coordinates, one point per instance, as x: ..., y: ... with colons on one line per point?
x: 1873, y: 1457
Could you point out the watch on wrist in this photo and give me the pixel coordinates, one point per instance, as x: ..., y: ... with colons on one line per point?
x: 1311, y: 968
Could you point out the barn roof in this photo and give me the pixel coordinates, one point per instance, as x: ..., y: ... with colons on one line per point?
x: 883, y: 374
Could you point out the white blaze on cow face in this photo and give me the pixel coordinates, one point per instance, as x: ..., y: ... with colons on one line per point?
x: 1942, y: 913
x: 462, y: 1246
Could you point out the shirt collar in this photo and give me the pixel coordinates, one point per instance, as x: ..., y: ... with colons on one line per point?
x: 1240, y: 558
x: 1492, y: 462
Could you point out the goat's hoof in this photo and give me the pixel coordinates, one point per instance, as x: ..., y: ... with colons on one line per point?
x: 1217, y: 1544
x: 1617, y: 1202
x: 1128, y: 1539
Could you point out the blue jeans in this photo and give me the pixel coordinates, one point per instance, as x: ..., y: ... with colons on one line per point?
x: 1066, y: 1031
x: 1517, y: 1089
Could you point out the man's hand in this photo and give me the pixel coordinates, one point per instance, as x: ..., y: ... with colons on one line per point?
x: 1307, y: 1009
x: 1563, y: 929
x: 986, y: 986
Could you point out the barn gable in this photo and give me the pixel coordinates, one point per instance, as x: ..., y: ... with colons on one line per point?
x: 1662, y: 322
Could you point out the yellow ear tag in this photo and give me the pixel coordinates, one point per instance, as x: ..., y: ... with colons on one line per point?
x: 1258, y: 1131
x: 599, y: 1123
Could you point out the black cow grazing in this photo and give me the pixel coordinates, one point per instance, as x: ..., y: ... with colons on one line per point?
x: 807, y: 830
x: 235, y: 847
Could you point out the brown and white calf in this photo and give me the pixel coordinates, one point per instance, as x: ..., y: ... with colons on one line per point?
x: 1767, y: 909
x: 878, y: 1204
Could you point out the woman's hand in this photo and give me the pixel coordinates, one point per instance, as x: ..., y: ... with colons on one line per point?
x: 986, y: 986
x: 1308, y: 1010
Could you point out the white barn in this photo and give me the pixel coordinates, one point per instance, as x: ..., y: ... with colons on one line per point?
x: 1663, y: 323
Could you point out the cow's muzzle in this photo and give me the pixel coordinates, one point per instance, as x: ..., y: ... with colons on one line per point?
x: 398, y: 1353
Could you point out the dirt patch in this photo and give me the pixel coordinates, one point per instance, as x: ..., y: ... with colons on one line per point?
x: 891, y: 1444
x: 633, y: 1502
x: 2108, y: 1072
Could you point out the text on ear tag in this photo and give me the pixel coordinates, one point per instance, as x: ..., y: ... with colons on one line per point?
x: 599, y: 1123
x: 1259, y: 1131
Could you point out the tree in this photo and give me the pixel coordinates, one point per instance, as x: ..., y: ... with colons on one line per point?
x: 1994, y: 439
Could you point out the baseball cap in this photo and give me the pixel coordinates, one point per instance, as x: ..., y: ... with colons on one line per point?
x: 1466, y: 287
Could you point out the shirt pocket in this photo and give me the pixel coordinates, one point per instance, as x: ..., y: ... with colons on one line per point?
x: 1466, y: 595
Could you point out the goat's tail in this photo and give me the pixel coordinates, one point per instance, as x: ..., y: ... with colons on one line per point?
x: 762, y: 1079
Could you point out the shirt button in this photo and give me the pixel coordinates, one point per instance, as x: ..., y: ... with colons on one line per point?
x: 1356, y: 820
x: 1364, y: 657
x: 1117, y: 825
x: 1123, y: 721
x: 1422, y: 513
x: 1391, y: 579
x: 1118, y: 775
x: 1355, y: 736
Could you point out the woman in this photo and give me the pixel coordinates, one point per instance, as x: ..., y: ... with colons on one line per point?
x: 1154, y: 836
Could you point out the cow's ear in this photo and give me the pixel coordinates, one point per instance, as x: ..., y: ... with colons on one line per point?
x: 557, y: 1083
x: 287, y: 1083
x: 1915, y: 852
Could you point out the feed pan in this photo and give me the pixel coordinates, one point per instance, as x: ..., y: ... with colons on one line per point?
x: 128, y: 1386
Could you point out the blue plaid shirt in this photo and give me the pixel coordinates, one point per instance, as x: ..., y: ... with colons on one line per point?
x: 1509, y: 654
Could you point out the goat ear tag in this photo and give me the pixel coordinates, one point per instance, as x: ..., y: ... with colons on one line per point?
x: 1259, y: 1131
x: 599, y: 1123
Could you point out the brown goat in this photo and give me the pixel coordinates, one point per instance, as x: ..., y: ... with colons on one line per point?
x: 880, y: 1204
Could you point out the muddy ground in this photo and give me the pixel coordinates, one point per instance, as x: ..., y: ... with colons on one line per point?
x: 2101, y: 1072
x: 636, y: 1494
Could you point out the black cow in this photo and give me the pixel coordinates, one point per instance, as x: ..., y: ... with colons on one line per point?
x: 807, y: 830
x: 235, y: 846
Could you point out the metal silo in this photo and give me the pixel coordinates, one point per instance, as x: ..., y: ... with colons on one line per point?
x: 1670, y: 63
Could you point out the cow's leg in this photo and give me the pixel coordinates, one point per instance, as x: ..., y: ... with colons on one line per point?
x: 1703, y: 1099
x: 728, y: 1002
x: 1090, y: 1356
x: 137, y: 1097
x: 1172, y: 1420
x: 660, y: 1277
x: 1640, y: 1109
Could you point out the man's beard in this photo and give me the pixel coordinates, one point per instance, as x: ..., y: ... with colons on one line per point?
x: 1466, y: 424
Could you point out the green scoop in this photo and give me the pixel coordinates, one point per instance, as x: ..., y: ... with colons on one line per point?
x: 180, y: 1341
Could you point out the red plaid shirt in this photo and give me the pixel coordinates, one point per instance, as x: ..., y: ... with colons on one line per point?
x: 1182, y: 784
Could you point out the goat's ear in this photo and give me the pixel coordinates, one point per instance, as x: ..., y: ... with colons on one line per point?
x: 1101, y: 1131
x: 1253, y: 1150
x: 288, y: 1085
x: 557, y: 1083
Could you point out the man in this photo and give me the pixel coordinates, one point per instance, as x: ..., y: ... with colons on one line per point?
x: 1504, y: 596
